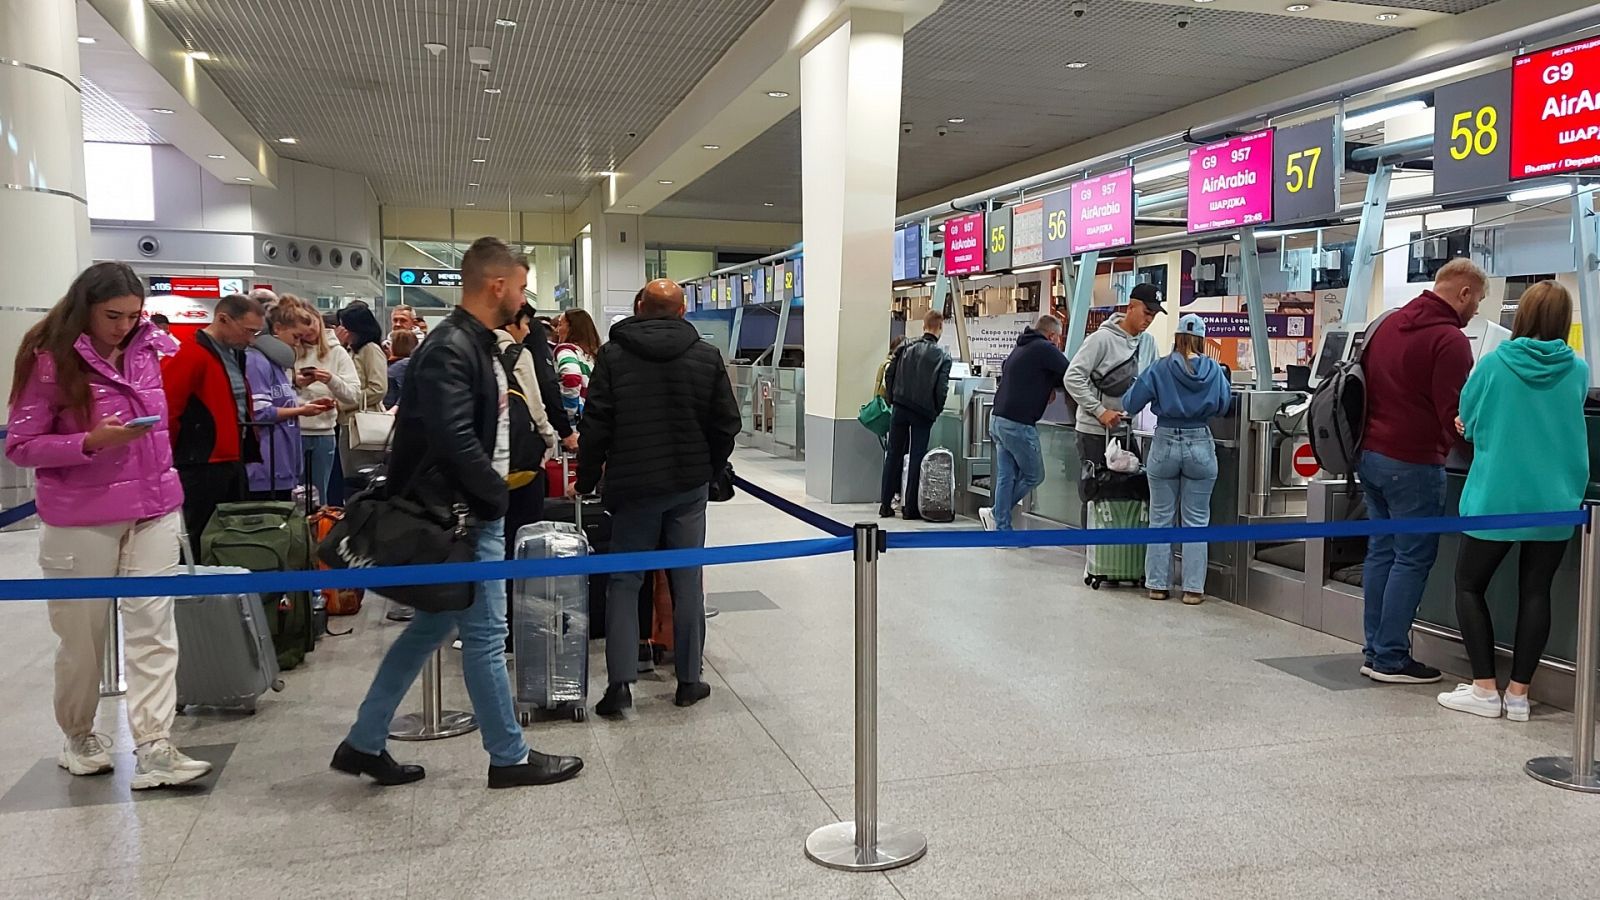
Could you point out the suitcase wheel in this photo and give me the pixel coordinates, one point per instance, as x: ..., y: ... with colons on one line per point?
x: 525, y: 718
x: 1096, y: 581
x: 277, y: 685
x: 181, y: 708
x: 1088, y: 580
x: 579, y: 714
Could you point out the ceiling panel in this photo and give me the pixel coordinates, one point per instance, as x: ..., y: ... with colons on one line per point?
x: 1444, y: 6
x: 105, y: 120
x: 766, y: 170
x: 350, y: 80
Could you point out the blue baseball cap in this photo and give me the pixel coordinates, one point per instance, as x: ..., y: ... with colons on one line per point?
x: 1192, y: 324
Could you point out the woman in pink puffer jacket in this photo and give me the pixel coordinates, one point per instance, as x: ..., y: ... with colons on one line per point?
x: 88, y: 413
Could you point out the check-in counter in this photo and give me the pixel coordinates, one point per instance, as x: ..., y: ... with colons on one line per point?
x: 1257, y: 484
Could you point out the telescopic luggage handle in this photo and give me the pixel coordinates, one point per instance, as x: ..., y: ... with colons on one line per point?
x: 577, y: 499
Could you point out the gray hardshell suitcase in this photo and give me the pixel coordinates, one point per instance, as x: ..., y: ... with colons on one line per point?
x: 225, y: 654
x: 551, y: 630
x: 936, y: 494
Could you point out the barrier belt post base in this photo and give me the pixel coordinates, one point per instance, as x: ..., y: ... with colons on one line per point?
x: 865, y: 844
x: 434, y: 722
x: 1578, y: 772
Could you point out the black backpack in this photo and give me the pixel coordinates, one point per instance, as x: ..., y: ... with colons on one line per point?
x: 1337, y: 417
x: 527, y: 448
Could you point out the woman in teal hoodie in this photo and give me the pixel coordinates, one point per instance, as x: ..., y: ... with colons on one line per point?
x: 1522, y: 410
x: 1186, y: 390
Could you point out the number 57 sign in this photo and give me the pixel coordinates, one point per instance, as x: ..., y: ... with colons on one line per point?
x: 1306, y: 172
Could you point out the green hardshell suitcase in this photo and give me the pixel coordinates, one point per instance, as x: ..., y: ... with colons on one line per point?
x: 1115, y: 564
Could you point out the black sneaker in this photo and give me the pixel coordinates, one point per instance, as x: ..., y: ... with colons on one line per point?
x: 618, y: 698
x: 1413, y: 673
x: 690, y: 693
x: 541, y: 768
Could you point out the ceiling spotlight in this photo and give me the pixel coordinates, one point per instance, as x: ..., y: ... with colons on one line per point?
x: 472, y: 184
x: 480, y: 160
x: 663, y: 182
x: 1297, y: 7
x: 199, y: 56
x: 244, y: 178
x: 1202, y: 1
x: 769, y: 204
x: 549, y: 194
x: 1077, y: 64
x: 609, y: 174
x: 472, y: 204
x: 777, y: 95
x: 288, y: 140
x: 710, y: 146
x: 483, y: 137
x: 491, y: 90
x: 506, y: 23
x: 85, y: 39
x: 1388, y: 17
x: 956, y: 120
x: 161, y: 110
x: 215, y: 156
x: 435, y: 48
x: 633, y: 206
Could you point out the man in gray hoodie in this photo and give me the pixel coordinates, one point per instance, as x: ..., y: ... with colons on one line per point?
x: 1105, y: 367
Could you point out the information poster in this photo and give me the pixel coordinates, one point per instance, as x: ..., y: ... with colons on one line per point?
x: 897, y: 272
x: 1027, y: 233
x: 1307, y: 167
x: 1058, y: 225
x: 1102, y: 212
x: 1230, y: 183
x: 963, y: 245
x: 910, y: 253
x: 999, y: 228
x: 1555, y: 110
x: 1470, y: 149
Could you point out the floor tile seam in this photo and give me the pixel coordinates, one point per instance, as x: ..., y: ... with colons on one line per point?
x: 768, y: 732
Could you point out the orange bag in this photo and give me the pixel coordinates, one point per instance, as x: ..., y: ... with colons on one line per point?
x: 661, y: 629
x: 341, y: 601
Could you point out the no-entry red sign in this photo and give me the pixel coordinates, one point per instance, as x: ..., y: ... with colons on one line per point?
x: 1305, y: 462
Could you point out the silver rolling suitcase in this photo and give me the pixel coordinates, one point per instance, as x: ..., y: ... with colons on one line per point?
x: 936, y: 494
x: 551, y: 626
x: 226, y: 658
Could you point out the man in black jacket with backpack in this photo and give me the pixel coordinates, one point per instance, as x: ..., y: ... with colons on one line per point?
x: 659, y: 424
x: 917, y: 383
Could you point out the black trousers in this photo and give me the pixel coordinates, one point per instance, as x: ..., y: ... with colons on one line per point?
x: 204, y: 487
x: 1536, y: 571
x: 908, y: 435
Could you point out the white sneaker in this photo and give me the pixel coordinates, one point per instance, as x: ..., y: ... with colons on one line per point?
x: 986, y: 516
x: 1465, y: 698
x: 161, y: 765
x: 86, y: 755
x: 1518, y: 708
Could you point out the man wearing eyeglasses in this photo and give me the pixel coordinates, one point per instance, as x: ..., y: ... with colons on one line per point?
x: 208, y: 399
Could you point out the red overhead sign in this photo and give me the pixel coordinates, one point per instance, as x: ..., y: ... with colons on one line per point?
x: 963, y: 245
x: 1555, y: 111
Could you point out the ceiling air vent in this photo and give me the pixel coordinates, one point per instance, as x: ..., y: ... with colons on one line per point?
x: 336, y: 257
x: 314, y: 255
x: 357, y: 260
x: 269, y: 249
x: 294, y: 252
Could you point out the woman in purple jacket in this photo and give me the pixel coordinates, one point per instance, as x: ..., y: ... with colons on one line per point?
x: 276, y: 409
x: 88, y: 413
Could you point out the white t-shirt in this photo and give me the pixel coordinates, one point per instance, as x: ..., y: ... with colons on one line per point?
x: 502, y: 429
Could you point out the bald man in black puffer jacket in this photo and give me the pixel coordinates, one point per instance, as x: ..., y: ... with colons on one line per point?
x: 659, y: 423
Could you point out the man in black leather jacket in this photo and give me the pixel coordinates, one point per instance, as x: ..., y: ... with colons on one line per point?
x: 450, y: 447
x: 917, y: 383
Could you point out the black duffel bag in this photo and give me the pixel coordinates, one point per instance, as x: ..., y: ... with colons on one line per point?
x: 382, y: 529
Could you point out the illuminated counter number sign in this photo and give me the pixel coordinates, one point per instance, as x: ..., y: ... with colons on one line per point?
x: 999, y: 228
x: 1306, y: 172
x: 1470, y: 150
x: 1058, y: 225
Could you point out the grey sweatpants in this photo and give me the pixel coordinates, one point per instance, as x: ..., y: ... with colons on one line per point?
x: 669, y: 522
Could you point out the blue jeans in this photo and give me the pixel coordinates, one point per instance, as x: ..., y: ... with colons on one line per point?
x: 1018, y: 466
x: 482, y: 629
x: 1397, y: 566
x: 323, y: 450
x: 1181, y: 470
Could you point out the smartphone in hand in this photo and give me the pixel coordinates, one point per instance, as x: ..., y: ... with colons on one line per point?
x: 143, y: 422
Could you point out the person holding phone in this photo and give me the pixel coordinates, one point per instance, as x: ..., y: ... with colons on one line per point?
x: 323, y: 372
x: 276, y: 409
x: 89, y: 416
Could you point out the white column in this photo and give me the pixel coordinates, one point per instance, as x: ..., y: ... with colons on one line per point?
x: 44, y: 217
x: 849, y: 163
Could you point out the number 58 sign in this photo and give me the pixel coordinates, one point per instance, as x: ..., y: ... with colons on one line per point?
x: 1471, y: 146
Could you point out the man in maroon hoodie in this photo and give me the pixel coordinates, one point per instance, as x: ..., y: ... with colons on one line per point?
x: 1416, y: 363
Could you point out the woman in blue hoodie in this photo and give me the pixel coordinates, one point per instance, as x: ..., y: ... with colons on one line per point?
x: 1522, y: 410
x: 1186, y: 390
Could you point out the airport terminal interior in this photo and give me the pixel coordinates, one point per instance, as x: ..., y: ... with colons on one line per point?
x: 905, y: 702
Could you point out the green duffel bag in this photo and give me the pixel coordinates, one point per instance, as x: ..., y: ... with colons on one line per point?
x: 875, y: 415
x: 267, y: 536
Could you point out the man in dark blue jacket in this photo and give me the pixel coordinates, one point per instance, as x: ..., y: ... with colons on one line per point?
x: 1030, y: 375
x: 917, y: 383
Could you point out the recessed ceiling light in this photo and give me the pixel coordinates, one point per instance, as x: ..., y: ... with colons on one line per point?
x: 633, y: 206
x: 161, y: 110
x: 956, y: 120
x: 199, y: 56
x: 769, y: 204
x: 472, y: 204
x: 288, y: 140
x: 777, y: 95
x: 339, y: 286
x: 472, y: 184
x: 506, y: 23
x: 1388, y: 17
x: 244, y: 178
x: 1077, y: 64
x: 85, y: 39
x: 1297, y: 7
x: 491, y: 90
x: 1202, y: 1
x: 548, y: 194
x: 710, y: 146
x: 663, y: 182
x: 215, y: 156
x: 480, y: 160
x: 609, y: 174
x: 483, y: 137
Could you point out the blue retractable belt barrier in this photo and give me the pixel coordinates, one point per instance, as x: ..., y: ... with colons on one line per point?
x: 814, y: 519
x: 16, y: 514
x: 447, y: 573
x: 1214, y: 534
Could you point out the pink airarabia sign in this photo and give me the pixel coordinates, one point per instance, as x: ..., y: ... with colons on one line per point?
x: 963, y: 245
x: 1230, y: 183
x: 1102, y: 212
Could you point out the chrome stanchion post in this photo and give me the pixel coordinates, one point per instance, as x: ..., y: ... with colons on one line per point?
x: 112, y: 682
x: 434, y: 722
x: 1578, y: 772
x: 866, y: 845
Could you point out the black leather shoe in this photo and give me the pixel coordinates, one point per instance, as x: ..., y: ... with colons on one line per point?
x: 541, y: 768
x: 913, y: 517
x: 691, y: 693
x: 618, y: 698
x: 885, y: 512
x: 381, y: 768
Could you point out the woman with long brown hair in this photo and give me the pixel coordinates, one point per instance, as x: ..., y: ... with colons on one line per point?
x: 578, y: 342
x: 88, y: 414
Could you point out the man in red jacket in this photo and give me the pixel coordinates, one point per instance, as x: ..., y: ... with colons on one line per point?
x: 1417, y: 361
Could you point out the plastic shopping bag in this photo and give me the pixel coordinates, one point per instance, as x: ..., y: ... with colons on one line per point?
x: 1119, y: 458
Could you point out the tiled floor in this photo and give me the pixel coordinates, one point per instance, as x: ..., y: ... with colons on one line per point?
x: 1052, y: 742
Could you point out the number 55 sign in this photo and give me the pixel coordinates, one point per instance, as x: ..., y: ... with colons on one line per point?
x: 1471, y: 131
x: 1309, y: 160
